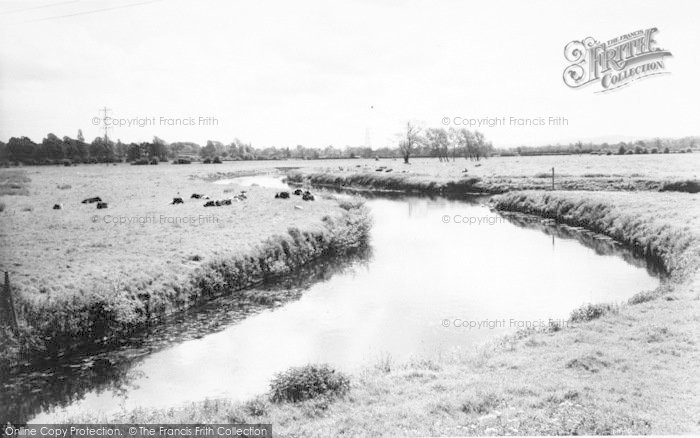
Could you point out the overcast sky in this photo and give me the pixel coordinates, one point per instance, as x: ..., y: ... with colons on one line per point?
x: 282, y: 73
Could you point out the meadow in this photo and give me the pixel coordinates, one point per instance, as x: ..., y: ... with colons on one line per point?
x: 675, y: 172
x: 79, y: 272
x: 614, y: 368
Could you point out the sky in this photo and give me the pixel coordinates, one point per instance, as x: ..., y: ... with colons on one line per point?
x: 319, y: 73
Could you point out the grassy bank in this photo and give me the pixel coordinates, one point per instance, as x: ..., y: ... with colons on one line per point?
x: 500, y: 174
x: 440, y: 185
x: 83, y: 276
x: 621, y: 368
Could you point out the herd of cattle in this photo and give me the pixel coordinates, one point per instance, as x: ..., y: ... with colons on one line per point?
x: 210, y: 203
x: 305, y: 195
x: 96, y: 199
x: 242, y: 196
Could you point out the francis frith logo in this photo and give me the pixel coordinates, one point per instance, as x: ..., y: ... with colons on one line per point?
x: 614, y: 63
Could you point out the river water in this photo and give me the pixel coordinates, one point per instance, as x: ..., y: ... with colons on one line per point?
x: 440, y: 275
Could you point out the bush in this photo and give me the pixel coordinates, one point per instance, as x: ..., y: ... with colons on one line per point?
x: 687, y: 186
x: 206, y: 161
x: 2, y: 207
x: 480, y: 404
x: 589, y: 312
x: 643, y: 297
x: 308, y: 382
x: 257, y: 407
x: 140, y: 162
x: 216, y: 160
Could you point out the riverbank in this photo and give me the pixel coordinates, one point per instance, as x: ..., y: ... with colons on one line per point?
x: 505, y: 174
x: 83, y: 277
x: 625, y: 368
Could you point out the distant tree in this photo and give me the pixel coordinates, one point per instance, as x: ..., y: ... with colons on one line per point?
x: 133, y: 152
x: 21, y: 149
x: 208, y: 151
x: 53, y: 147
x: 158, y: 148
x: 621, y: 150
x: 437, y: 139
x: 467, y: 143
x: 481, y: 147
x: 101, y: 150
x: 666, y: 150
x: 410, y: 139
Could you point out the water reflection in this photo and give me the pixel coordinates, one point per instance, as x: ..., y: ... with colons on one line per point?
x: 602, y: 245
x: 45, y: 387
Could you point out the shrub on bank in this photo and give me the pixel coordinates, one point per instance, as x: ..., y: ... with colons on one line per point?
x: 589, y: 312
x: 687, y: 186
x: 389, y: 182
x: 308, y: 382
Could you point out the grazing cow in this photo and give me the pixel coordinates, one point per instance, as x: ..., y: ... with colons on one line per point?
x: 91, y: 200
x: 210, y: 204
x: 101, y: 205
x: 196, y: 196
x: 307, y: 196
x: 178, y: 201
x: 282, y: 195
x: 217, y: 203
x: 389, y: 170
x: 298, y: 192
x: 57, y: 206
x: 226, y: 202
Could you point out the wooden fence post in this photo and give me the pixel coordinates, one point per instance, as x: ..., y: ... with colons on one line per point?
x: 9, y: 303
x: 552, y: 178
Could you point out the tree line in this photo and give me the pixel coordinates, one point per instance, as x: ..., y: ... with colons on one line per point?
x: 442, y: 143
x: 651, y: 146
x: 432, y: 142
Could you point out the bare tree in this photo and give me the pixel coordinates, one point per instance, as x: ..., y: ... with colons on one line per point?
x: 410, y: 139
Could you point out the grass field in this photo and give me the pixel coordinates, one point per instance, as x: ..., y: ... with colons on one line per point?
x: 502, y: 174
x: 627, y: 368
x: 77, y: 269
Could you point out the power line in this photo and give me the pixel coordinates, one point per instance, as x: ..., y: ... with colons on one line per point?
x: 94, y: 11
x: 105, y: 115
x: 39, y: 7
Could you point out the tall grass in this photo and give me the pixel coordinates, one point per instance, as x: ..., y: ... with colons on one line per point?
x: 55, y: 324
x: 389, y: 182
